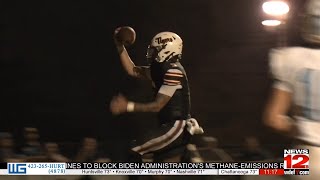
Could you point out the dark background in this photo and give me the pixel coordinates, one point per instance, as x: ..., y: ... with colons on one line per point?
x: 60, y: 69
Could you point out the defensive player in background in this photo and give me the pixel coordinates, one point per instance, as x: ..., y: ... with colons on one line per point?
x: 172, y: 96
x: 296, y: 71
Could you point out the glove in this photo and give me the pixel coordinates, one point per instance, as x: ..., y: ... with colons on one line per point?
x: 193, y: 127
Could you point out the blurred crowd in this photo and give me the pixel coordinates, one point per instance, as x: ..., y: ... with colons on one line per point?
x: 33, y: 150
x: 205, y: 149
x: 209, y: 150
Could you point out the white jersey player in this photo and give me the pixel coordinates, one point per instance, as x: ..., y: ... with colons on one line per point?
x: 296, y: 71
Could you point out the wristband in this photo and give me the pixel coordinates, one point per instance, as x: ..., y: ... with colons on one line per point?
x: 130, y: 106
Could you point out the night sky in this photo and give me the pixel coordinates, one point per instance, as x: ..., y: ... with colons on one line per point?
x: 60, y: 69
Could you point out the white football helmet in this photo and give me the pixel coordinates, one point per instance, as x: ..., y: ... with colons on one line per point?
x: 311, y: 22
x: 164, y: 46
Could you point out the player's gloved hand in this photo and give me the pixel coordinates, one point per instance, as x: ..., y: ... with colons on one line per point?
x: 118, y: 43
x: 118, y: 104
x: 116, y: 40
x: 193, y: 127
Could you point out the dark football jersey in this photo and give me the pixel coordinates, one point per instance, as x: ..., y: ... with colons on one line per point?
x: 172, y: 73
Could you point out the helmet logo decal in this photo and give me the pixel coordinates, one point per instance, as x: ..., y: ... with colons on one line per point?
x: 159, y: 40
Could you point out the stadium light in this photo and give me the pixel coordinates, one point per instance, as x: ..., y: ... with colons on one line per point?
x: 275, y: 8
x: 271, y: 22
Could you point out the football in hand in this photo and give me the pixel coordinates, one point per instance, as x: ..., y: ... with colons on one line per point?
x: 126, y: 35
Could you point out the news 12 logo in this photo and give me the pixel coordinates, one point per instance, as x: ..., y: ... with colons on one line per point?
x: 17, y: 168
x: 296, y: 159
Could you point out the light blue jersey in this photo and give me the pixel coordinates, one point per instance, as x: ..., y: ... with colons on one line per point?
x: 297, y: 70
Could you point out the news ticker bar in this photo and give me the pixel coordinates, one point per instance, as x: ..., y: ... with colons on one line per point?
x: 147, y: 165
x: 61, y: 169
x: 146, y: 172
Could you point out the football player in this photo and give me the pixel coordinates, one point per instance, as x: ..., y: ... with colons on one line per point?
x: 171, y: 101
x: 296, y: 71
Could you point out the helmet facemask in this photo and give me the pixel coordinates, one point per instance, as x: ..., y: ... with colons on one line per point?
x: 311, y: 22
x: 153, y: 52
x: 311, y: 28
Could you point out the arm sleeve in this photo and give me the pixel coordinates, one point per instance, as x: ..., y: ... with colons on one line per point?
x: 142, y: 71
x: 280, y: 69
x: 171, y: 82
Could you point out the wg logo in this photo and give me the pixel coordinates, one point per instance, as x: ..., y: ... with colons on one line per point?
x: 17, y: 168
